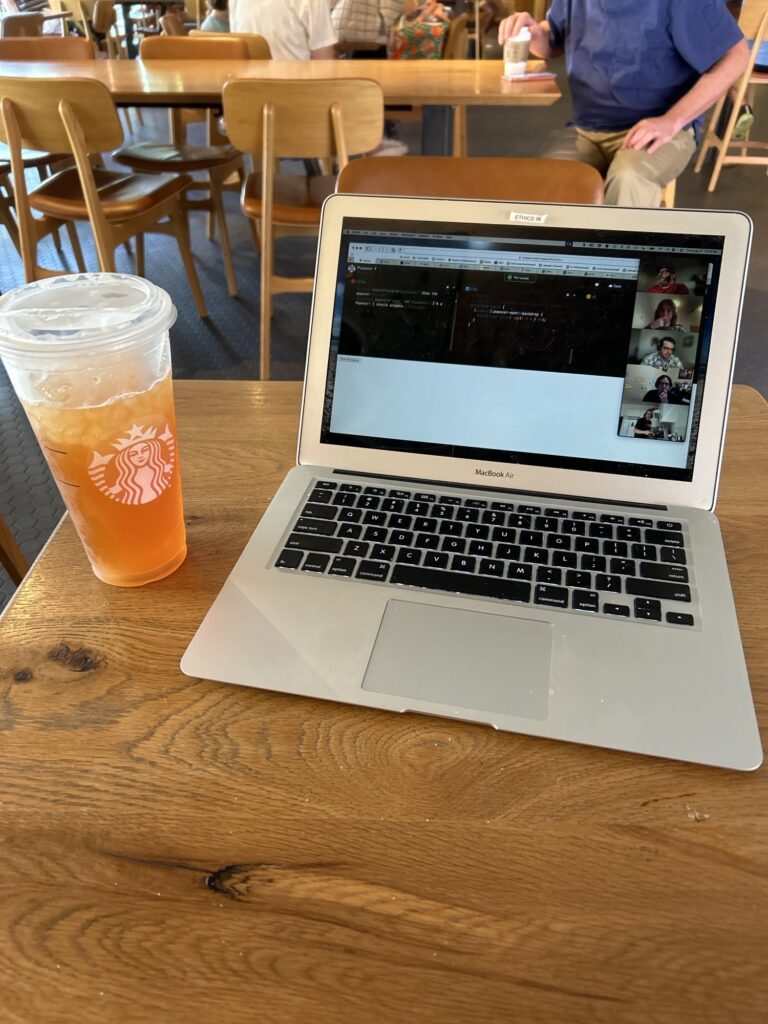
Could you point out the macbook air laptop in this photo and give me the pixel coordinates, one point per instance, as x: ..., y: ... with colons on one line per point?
x: 511, y: 434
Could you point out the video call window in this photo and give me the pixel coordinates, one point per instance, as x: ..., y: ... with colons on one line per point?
x: 663, y: 348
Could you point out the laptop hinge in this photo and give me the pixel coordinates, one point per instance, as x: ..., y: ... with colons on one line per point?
x: 549, y: 495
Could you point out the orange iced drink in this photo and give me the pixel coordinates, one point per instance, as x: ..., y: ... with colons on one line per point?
x: 117, y: 467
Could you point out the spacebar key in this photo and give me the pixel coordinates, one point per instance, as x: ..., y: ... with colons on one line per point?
x: 461, y: 583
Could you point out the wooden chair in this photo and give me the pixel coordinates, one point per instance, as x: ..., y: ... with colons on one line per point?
x: 258, y: 47
x: 528, y: 179
x: 78, y: 117
x: 745, y: 92
x: 668, y: 194
x: 104, y: 22
x: 82, y: 11
x: 172, y: 24
x: 457, y: 39
x: 21, y: 25
x: 11, y: 556
x: 218, y: 161
x: 322, y: 119
x: 47, y: 48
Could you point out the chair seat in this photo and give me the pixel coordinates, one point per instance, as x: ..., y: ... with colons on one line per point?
x: 298, y: 197
x: 32, y: 157
x: 151, y: 156
x: 120, y: 195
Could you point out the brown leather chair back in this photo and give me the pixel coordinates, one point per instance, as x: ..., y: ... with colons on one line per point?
x: 528, y: 179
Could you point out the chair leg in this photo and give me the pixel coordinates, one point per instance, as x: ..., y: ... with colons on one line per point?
x: 265, y: 312
x: 74, y: 241
x: 710, y: 136
x: 181, y: 231
x: 217, y: 202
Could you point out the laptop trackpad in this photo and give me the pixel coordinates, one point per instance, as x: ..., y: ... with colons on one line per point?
x: 472, y: 660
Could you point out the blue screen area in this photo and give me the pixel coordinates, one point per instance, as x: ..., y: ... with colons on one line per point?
x: 522, y: 345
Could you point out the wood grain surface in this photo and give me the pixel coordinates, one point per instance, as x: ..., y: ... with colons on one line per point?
x: 175, y: 850
x: 163, y: 83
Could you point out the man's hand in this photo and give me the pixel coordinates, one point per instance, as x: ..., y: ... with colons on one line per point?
x: 510, y: 27
x: 651, y: 133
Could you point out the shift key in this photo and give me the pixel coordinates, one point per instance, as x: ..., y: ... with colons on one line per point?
x: 313, y: 542
x: 659, y: 589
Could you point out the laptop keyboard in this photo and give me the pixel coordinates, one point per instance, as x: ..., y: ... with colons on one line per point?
x: 598, y: 563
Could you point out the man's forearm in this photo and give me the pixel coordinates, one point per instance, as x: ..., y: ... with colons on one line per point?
x: 324, y: 53
x: 711, y: 86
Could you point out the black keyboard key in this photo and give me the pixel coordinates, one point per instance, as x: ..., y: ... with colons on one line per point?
x: 476, y: 503
x: 492, y: 517
x: 349, y: 530
x: 529, y: 510
x: 628, y: 533
x: 491, y: 567
x: 634, y: 521
x: 402, y: 537
x: 320, y: 527
x: 289, y: 559
x: 417, y: 508
x: 463, y: 563
x: 370, y: 570
x: 503, y: 535
x: 602, y: 530
x: 574, y: 578
x: 326, y: 485
x: 660, y: 589
x: 663, y: 571
x: 519, y: 522
x: 585, y: 600
x: 467, y: 515
x: 380, y: 491
x: 398, y: 522
x: 679, y: 619
x: 315, y: 562
x: 676, y: 556
x: 590, y: 544
x: 424, y: 525
x: 461, y: 583
x: 546, y: 574
x: 573, y: 527
x: 610, y: 584
x: 456, y: 545
x: 560, y: 513
x: 509, y: 552
x: 672, y: 540
x: 593, y: 563
x: 314, y: 511
x: 539, y: 556
x: 356, y: 548
x: 623, y: 566
x: 344, y: 499
x: 533, y: 537
x: 554, y: 597
x: 392, y: 505
x: 645, y: 609
x: 321, y: 497
x: 588, y: 517
x: 399, y: 494
x: 503, y: 506
x: 666, y: 524
x: 565, y: 559
x: 382, y: 552
x: 373, y: 518
x: 424, y: 496
x: 547, y: 523
x: 450, y: 499
x: 450, y: 528
x: 518, y: 571
x: 442, y: 511
x: 646, y: 552
x: 342, y: 566
x: 481, y: 547
x: 557, y: 542
x: 435, y: 560
x: 409, y: 556
x: 615, y: 548
x: 350, y: 515
x: 351, y: 488
x: 368, y: 501
x: 427, y: 541
x: 475, y: 532
x: 618, y: 520
x: 616, y: 609
x: 377, y: 534
x: 312, y: 542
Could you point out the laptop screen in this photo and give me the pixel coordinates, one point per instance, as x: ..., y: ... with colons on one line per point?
x: 579, y: 350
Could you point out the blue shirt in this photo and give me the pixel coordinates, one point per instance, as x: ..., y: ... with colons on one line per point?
x: 630, y: 59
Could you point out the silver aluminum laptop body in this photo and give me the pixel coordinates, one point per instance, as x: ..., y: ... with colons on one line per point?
x: 505, y: 355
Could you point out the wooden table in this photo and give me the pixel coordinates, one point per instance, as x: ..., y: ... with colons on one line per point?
x: 174, y: 850
x: 438, y: 85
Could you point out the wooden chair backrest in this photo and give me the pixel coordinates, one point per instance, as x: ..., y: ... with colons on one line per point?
x: 103, y: 17
x: 750, y: 16
x: 172, y: 24
x: 319, y: 118
x: 36, y: 105
x: 83, y: 13
x: 209, y: 46
x: 528, y: 179
x: 457, y: 39
x: 11, y: 556
x: 258, y: 47
x: 21, y: 25
x: 47, y: 48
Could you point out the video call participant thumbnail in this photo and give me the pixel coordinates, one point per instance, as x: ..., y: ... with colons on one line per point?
x: 667, y: 283
x: 664, y: 357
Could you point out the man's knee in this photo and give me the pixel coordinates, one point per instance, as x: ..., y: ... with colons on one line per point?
x: 632, y: 180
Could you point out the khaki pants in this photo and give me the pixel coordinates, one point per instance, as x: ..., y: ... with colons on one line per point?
x: 632, y: 177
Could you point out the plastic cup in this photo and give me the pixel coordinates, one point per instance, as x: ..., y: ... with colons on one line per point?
x: 516, y: 54
x: 89, y: 358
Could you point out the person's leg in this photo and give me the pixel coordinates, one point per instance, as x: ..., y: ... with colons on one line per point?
x: 576, y: 144
x: 635, y: 177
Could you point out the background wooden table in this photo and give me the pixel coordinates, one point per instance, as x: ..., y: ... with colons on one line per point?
x: 174, y: 850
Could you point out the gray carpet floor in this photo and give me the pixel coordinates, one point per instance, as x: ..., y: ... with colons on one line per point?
x: 227, y: 345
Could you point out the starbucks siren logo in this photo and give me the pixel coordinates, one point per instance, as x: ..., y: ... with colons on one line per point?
x: 140, y: 471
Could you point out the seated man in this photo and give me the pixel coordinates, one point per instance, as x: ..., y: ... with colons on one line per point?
x: 294, y: 29
x: 641, y: 72
x: 664, y: 358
